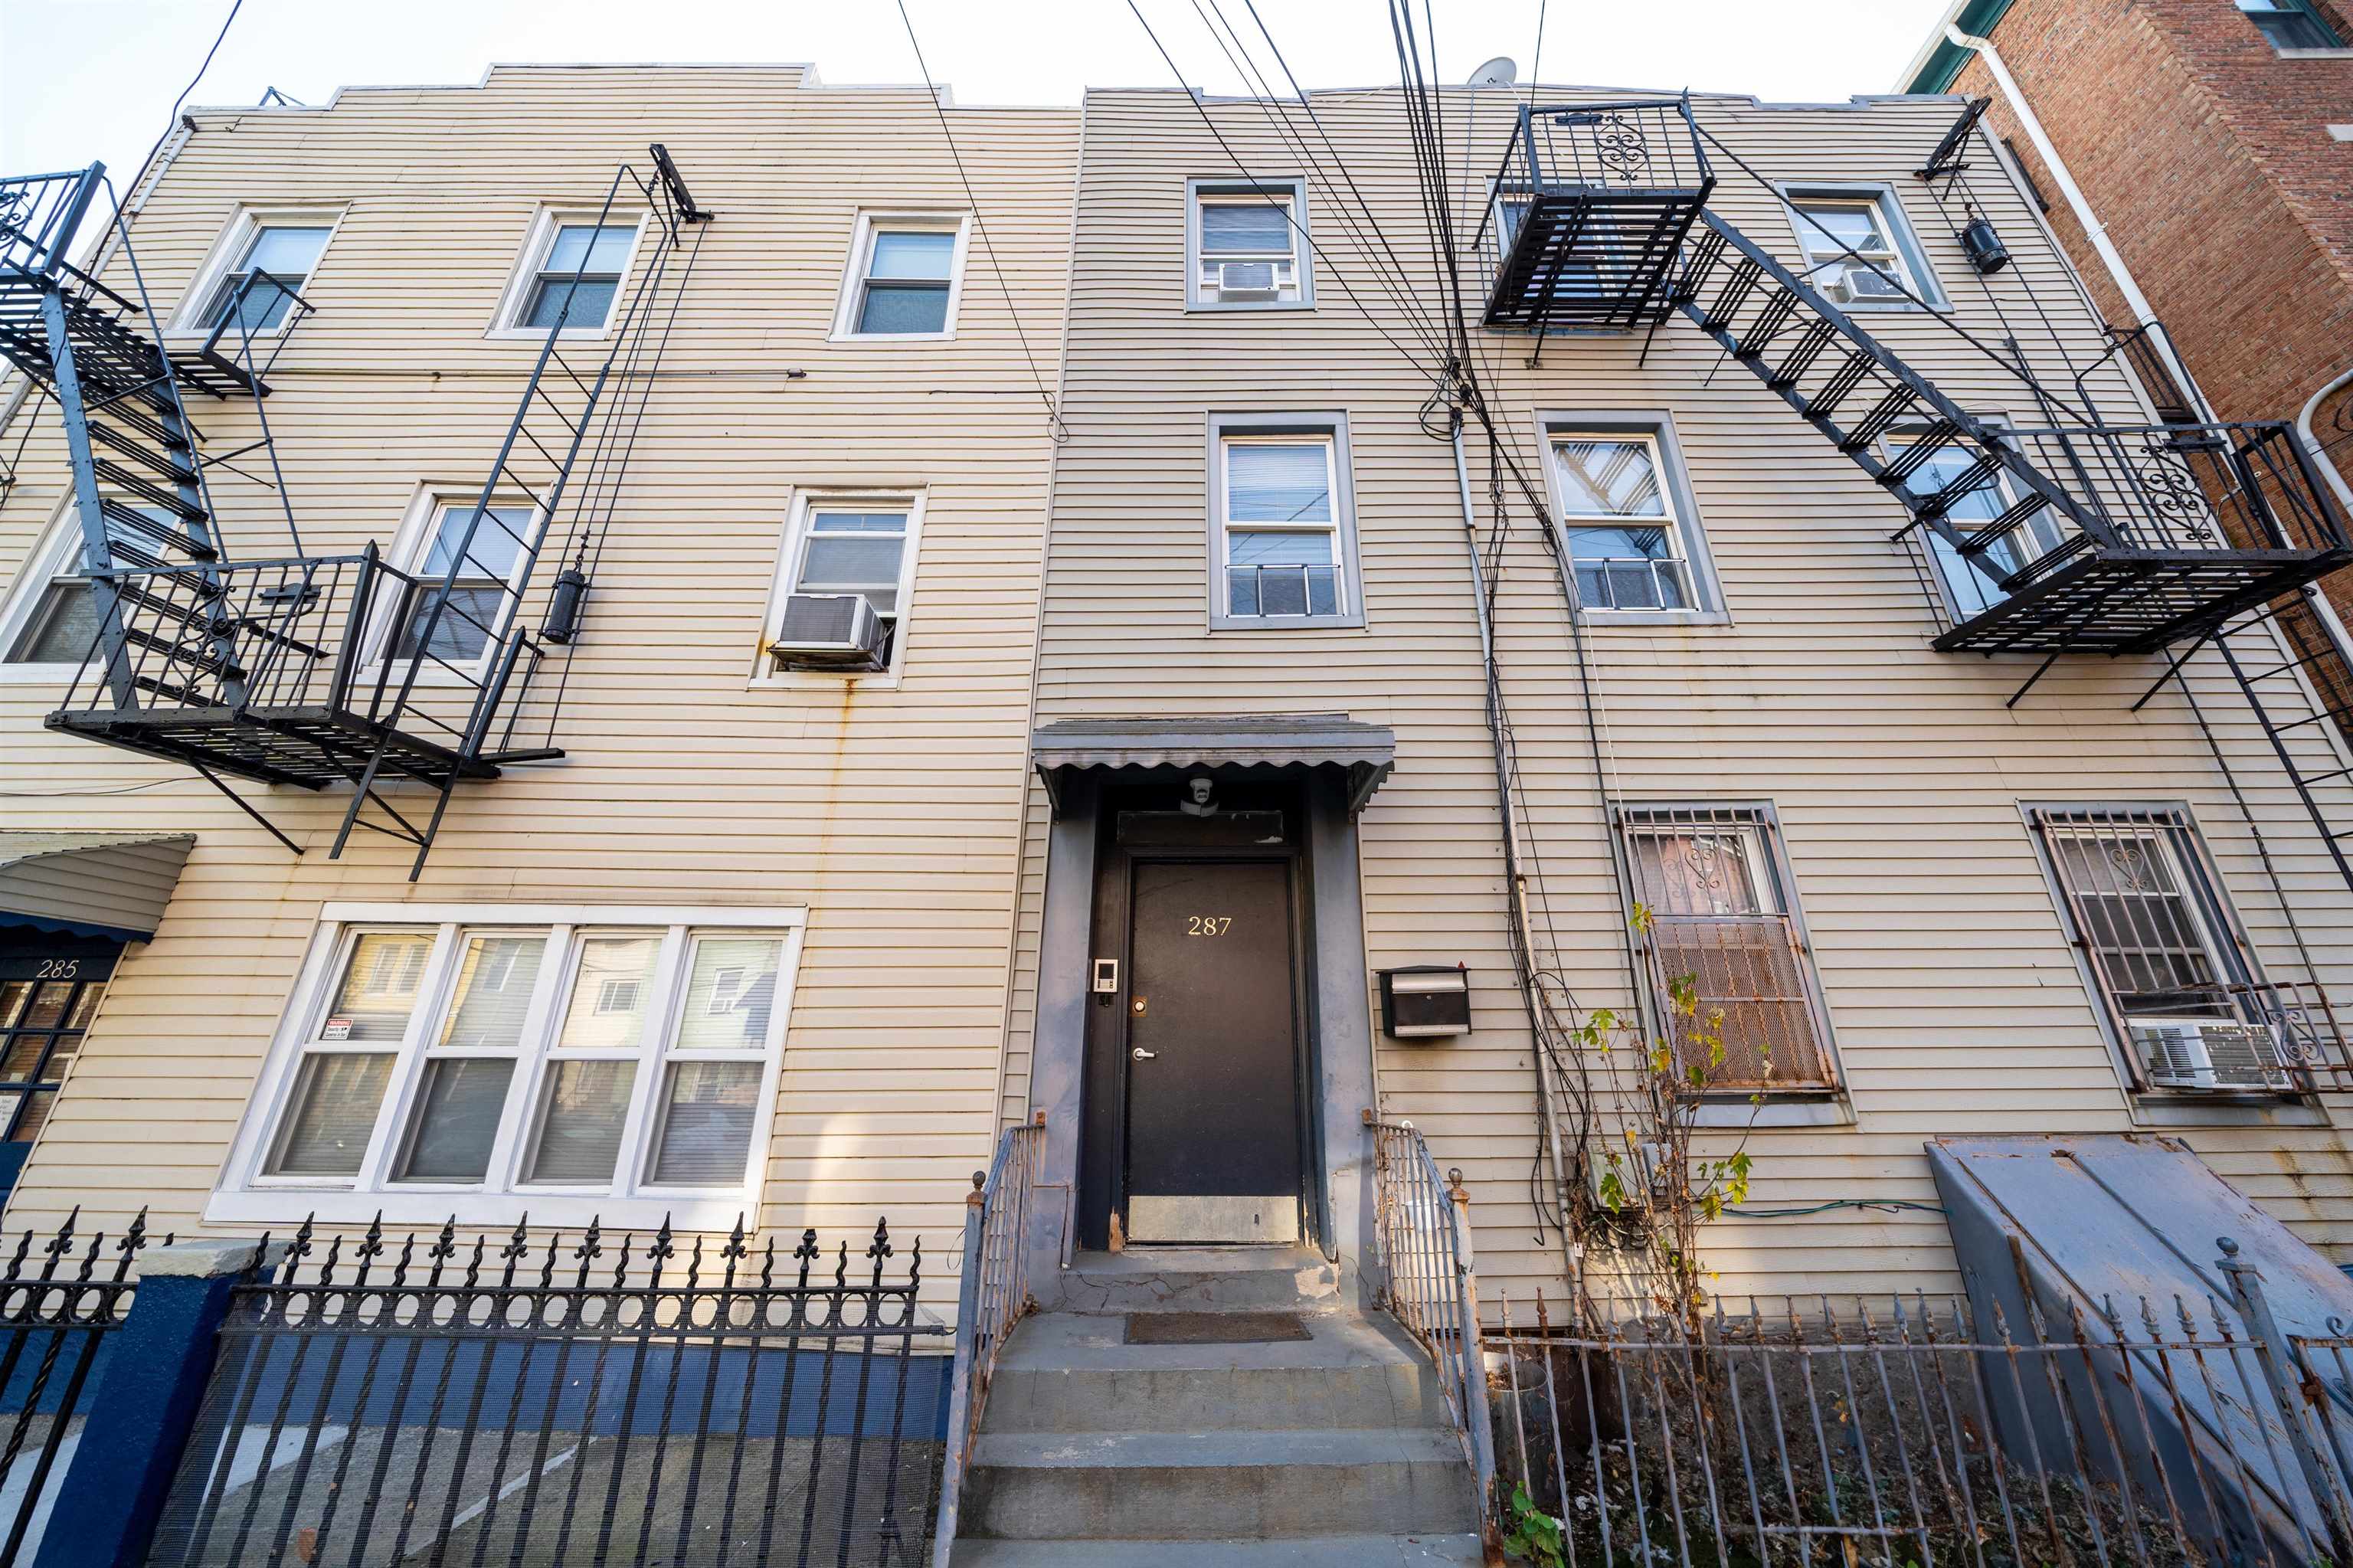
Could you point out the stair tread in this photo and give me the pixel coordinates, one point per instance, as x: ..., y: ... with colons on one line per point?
x: 1270, y: 1448
x: 1313, y: 1551
x: 1087, y: 1343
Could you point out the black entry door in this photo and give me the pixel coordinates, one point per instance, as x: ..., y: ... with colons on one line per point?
x: 1213, y: 1131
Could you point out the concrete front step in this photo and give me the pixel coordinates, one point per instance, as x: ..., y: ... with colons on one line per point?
x: 1212, y: 1486
x: 1196, y: 1279
x: 1326, y: 1552
x: 1063, y: 1373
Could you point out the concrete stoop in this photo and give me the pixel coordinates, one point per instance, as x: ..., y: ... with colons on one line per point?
x: 1330, y: 1452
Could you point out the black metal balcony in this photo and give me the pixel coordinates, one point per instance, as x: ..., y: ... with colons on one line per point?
x: 2172, y: 531
x: 301, y: 671
x: 1587, y: 213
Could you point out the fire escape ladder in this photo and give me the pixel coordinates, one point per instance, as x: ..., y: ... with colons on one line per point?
x: 323, y: 670
x: 2303, y: 703
x: 464, y: 636
x: 2084, y: 537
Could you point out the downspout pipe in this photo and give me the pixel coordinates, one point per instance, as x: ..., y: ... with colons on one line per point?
x: 2144, y: 314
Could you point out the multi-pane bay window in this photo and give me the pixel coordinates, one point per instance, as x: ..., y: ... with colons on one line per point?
x: 1282, y: 532
x: 1626, y: 518
x: 2150, y: 925
x: 1247, y: 244
x: 1727, y: 956
x: 615, y: 1061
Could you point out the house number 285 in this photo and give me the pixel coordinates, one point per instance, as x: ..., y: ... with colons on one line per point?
x: 1207, y: 924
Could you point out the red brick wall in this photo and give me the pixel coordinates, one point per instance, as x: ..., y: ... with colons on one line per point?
x: 2208, y: 158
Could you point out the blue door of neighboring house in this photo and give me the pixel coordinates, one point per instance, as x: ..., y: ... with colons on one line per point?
x: 49, y: 987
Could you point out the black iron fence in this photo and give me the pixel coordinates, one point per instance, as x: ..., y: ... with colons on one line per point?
x: 1924, y: 1433
x: 60, y: 1296
x: 570, y: 1399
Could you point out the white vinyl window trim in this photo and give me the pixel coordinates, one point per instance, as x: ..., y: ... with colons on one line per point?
x: 1230, y: 522
x: 515, y: 301
x: 851, y: 303
x: 193, y: 316
x: 1294, y: 258
x: 56, y: 557
x: 251, y: 1191
x: 790, y: 558
x: 412, y: 552
x: 1813, y: 211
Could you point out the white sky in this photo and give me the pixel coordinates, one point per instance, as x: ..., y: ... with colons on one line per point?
x: 95, y: 79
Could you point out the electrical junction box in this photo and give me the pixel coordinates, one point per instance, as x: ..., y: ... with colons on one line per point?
x: 1425, y: 1002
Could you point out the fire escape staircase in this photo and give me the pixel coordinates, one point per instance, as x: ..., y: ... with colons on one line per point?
x: 314, y: 669
x: 2075, y: 535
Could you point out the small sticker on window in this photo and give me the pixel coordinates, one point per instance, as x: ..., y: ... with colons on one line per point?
x: 336, y: 1029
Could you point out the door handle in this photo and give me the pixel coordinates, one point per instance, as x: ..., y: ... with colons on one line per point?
x: 1142, y: 1054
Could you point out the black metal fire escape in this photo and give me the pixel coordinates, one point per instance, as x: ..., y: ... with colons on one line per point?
x: 2079, y: 535
x: 317, y: 670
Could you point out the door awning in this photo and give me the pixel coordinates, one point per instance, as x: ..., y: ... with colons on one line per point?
x: 1366, y: 751
x: 89, y: 884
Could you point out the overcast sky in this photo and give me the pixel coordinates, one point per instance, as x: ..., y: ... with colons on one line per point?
x: 95, y: 79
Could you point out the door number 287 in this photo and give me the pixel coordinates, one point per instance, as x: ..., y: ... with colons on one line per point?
x: 1207, y: 924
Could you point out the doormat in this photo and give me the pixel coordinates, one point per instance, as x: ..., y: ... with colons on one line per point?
x: 1213, y: 1327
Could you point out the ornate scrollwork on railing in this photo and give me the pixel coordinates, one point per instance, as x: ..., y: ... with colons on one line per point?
x: 1621, y: 148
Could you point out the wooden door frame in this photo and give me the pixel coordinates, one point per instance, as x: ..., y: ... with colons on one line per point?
x: 1102, y: 1142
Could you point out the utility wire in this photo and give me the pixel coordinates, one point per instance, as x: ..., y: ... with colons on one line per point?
x: 1054, y: 416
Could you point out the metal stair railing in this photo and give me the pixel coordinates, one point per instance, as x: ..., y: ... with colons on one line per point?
x: 994, y: 1296
x: 1429, y: 1286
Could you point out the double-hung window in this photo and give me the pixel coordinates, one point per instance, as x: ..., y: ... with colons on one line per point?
x: 256, y: 294
x: 1281, y: 534
x: 2291, y: 24
x: 2152, y: 928
x: 481, y: 598
x: 623, y: 1059
x: 1972, y: 585
x: 862, y: 547
x: 573, y: 277
x: 1858, y: 248
x: 50, y: 618
x: 1727, y: 958
x: 903, y: 278
x: 1247, y: 244
x: 1627, y: 516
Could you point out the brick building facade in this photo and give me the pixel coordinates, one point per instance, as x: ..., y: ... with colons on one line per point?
x: 2213, y: 140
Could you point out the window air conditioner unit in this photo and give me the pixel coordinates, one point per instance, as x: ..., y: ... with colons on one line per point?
x: 2209, y: 1054
x: 828, y: 631
x: 1249, y: 280
x: 1864, y: 284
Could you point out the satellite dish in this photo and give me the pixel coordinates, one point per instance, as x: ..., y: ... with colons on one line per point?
x: 1501, y: 71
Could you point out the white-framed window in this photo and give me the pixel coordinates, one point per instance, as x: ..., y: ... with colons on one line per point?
x: 1246, y: 245
x: 1281, y: 523
x: 48, y: 620
x: 620, y: 1061
x: 2162, y: 951
x: 2291, y: 24
x: 905, y: 276
x: 1719, y: 925
x: 849, y: 543
x: 1627, y: 517
x: 275, y: 251
x: 1972, y: 587
x: 1858, y: 248
x: 482, y: 600
x: 573, y: 269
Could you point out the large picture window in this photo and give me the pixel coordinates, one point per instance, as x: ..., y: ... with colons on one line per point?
x: 620, y: 1061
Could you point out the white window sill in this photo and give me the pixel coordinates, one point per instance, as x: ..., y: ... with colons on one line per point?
x: 197, y: 334
x: 2160, y: 1107
x: 58, y: 675
x: 1657, y: 618
x: 1255, y: 623
x: 1819, y: 1111
x: 823, y: 679
x: 882, y: 337
x: 2315, y: 54
x: 1218, y: 307
x: 286, y: 1207
x: 538, y: 334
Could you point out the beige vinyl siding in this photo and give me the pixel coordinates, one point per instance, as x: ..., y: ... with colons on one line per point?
x: 894, y: 815
x: 1896, y: 771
